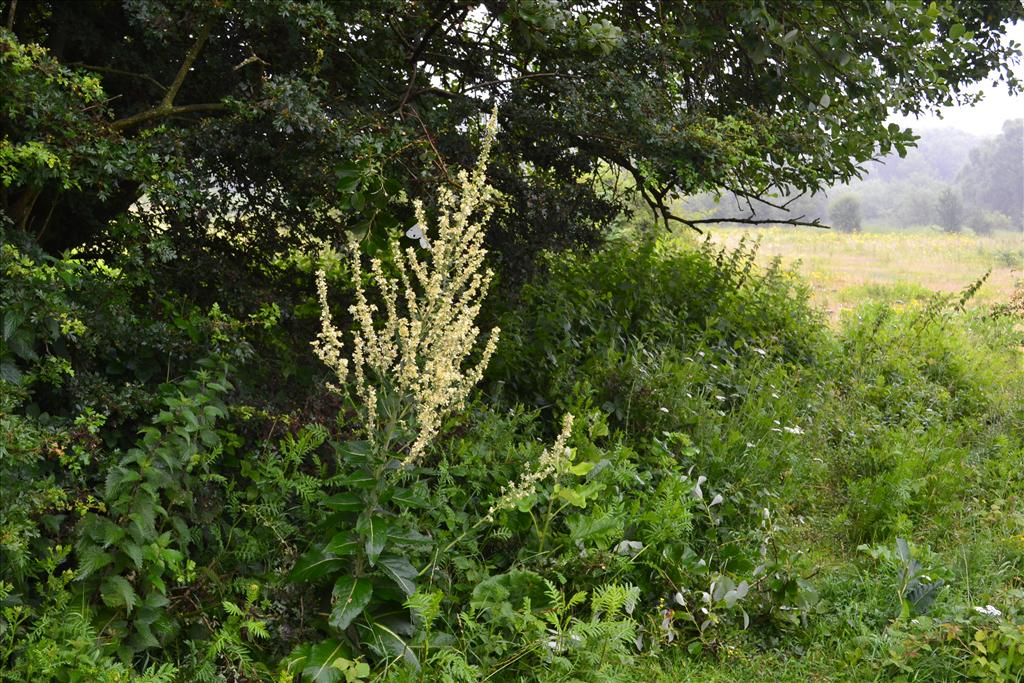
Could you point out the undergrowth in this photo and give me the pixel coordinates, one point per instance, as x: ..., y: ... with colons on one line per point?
x: 746, y: 491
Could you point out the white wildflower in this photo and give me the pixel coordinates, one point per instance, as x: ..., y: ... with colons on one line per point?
x: 419, y: 345
x: 552, y: 460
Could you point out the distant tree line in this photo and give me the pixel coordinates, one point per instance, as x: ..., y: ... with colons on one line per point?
x: 952, y: 180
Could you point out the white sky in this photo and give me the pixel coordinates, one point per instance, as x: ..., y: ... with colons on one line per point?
x: 984, y: 119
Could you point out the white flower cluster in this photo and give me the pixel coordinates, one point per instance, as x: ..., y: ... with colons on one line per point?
x: 989, y: 611
x: 552, y: 460
x: 428, y: 328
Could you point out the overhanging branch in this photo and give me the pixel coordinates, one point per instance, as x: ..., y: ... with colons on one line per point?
x: 163, y: 112
x: 166, y: 106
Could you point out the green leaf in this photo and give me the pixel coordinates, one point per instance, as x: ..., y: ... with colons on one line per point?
x: 359, y: 480
x: 315, y: 564
x: 91, y: 559
x: 386, y: 643
x: 956, y: 31
x: 316, y: 662
x: 375, y: 534
x: 571, y: 496
x: 351, y: 597
x: 408, y: 498
x: 581, y: 469
x: 401, y: 571
x: 11, y: 323
x: 344, y: 502
x: 9, y: 372
x: 903, y: 550
x: 116, y: 591
x: 410, y: 536
x: 342, y: 543
x: 134, y: 552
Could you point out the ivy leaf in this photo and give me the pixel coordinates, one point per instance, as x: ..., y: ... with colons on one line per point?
x: 117, y: 592
x: 351, y: 596
x: 401, y: 571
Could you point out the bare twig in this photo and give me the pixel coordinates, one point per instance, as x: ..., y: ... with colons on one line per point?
x: 119, y: 72
x: 253, y: 58
x: 414, y: 58
x: 430, y: 140
x: 693, y: 223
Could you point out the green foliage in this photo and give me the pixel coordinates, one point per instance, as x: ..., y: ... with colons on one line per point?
x: 318, y: 124
x: 730, y: 452
x: 182, y: 501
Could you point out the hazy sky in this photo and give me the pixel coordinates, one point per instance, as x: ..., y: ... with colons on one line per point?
x: 986, y: 118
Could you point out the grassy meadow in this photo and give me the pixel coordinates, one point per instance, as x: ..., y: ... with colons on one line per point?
x: 845, y: 269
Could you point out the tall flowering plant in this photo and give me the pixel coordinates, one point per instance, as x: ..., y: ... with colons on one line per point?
x: 418, y: 348
x: 416, y: 352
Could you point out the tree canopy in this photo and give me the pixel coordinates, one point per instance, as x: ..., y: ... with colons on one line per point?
x: 247, y: 128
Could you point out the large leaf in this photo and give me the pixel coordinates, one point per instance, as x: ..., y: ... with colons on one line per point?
x: 342, y: 543
x: 359, y: 480
x: 401, y: 572
x: 316, y: 662
x: 344, y: 502
x: 315, y: 564
x: 387, y: 643
x: 375, y: 534
x: 351, y: 596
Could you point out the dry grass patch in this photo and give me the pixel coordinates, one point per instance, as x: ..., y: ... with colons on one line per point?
x: 844, y: 269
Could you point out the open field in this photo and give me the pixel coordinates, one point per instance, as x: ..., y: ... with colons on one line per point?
x: 845, y: 269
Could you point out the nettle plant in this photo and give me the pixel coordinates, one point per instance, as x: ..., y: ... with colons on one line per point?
x: 416, y: 355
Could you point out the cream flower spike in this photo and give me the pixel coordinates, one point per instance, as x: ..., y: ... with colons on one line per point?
x: 414, y: 358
